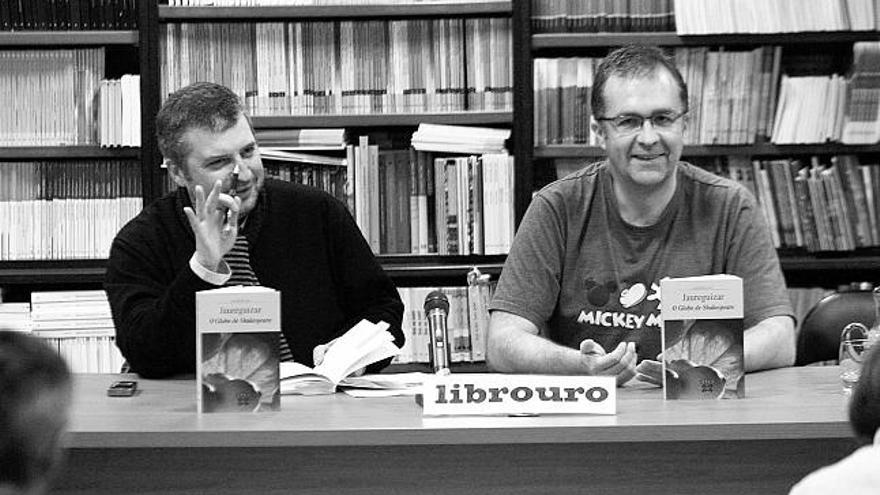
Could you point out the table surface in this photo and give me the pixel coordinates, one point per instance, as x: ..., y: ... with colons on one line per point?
x: 789, y: 403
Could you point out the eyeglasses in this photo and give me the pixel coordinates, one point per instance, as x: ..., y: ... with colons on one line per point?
x: 629, y: 123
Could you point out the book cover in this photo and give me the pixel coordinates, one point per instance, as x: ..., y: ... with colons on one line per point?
x: 362, y: 345
x: 702, y: 337
x: 237, y: 338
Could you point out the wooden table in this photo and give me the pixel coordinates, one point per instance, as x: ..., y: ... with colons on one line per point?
x: 793, y: 421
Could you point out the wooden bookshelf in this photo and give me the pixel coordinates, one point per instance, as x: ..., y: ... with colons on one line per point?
x: 67, y: 272
x: 65, y: 152
x: 317, y: 12
x: 437, y: 270
x: 600, y: 40
x: 382, y: 119
x: 761, y: 150
x: 402, y: 268
x: 67, y: 38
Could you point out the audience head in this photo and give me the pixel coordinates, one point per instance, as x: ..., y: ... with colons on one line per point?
x: 633, y: 61
x: 864, y: 406
x: 35, y: 388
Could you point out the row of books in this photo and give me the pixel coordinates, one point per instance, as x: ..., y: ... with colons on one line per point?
x: 419, y: 202
x: 49, y: 96
x: 119, y: 117
x: 309, y: 3
x: 69, y: 179
x: 467, y: 324
x: 595, y: 16
x: 67, y: 15
x: 774, y: 16
x: 562, y: 100
x: 821, y: 206
x: 730, y: 95
x: 346, y: 67
x: 65, y: 210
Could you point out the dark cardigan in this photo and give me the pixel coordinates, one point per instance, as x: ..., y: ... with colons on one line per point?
x: 303, y: 242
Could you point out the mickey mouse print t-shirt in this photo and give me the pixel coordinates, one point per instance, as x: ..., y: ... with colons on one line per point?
x: 577, y: 270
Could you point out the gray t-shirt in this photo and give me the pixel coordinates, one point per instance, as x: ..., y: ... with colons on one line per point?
x: 577, y: 270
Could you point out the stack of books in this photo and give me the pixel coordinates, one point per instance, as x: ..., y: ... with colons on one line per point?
x: 302, y: 139
x: 15, y: 317
x: 80, y: 326
x: 459, y: 139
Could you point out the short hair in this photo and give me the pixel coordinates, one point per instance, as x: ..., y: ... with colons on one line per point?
x: 633, y: 61
x: 201, y: 105
x: 35, y: 386
x: 864, y: 406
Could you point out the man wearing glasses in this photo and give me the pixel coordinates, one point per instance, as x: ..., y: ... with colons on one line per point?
x: 579, y: 291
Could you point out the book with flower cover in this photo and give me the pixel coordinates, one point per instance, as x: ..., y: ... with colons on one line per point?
x: 238, y: 331
x: 702, y: 337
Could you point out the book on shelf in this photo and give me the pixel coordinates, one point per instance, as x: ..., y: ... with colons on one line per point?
x: 702, y: 337
x: 862, y: 120
x: 238, y: 332
x: 347, y: 66
x: 362, y: 345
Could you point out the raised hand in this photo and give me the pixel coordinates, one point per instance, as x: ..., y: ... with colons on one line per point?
x: 215, y: 230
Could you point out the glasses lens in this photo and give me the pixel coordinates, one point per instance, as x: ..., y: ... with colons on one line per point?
x: 664, y: 119
x: 628, y: 123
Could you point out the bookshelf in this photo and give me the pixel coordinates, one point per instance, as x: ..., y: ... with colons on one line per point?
x: 801, y: 267
x: 120, y: 47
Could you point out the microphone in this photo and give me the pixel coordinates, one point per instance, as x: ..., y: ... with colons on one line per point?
x: 437, y: 310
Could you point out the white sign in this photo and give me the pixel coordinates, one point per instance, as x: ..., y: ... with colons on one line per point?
x: 494, y: 394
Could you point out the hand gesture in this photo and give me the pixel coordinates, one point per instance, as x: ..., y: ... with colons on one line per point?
x: 320, y: 351
x: 650, y: 371
x: 215, y: 229
x: 621, y: 362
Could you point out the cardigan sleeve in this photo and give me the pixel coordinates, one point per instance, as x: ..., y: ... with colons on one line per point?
x: 153, y: 304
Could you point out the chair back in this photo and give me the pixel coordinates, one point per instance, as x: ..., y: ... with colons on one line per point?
x: 819, y: 338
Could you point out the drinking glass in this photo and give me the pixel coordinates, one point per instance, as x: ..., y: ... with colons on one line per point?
x: 853, y: 344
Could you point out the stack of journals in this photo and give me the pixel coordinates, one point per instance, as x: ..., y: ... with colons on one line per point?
x: 459, y: 139
x: 79, y: 324
x: 15, y: 317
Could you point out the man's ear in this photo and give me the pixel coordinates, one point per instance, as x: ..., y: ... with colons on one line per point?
x: 177, y: 174
x: 599, y: 131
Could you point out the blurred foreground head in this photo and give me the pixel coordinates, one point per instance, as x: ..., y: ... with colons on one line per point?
x: 35, y: 388
x: 864, y: 406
